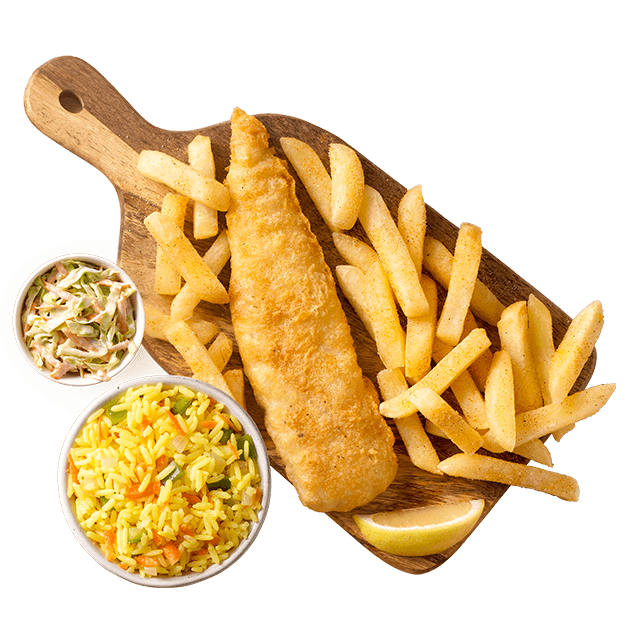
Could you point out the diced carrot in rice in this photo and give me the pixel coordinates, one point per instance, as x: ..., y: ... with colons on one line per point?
x: 176, y: 423
x: 146, y: 561
x: 153, y: 488
x: 109, y: 544
x: 73, y: 469
x: 171, y: 552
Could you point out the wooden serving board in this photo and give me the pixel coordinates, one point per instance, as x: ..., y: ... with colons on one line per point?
x: 70, y: 102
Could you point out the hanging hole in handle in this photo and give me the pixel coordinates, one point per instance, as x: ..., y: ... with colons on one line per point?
x: 70, y: 102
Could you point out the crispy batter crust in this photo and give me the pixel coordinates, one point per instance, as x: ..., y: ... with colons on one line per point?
x: 294, y: 339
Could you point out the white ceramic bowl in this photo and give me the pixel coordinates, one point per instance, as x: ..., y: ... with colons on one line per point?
x: 75, y: 379
x: 262, y: 460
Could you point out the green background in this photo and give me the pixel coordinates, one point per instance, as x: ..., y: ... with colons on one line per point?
x: 519, y: 117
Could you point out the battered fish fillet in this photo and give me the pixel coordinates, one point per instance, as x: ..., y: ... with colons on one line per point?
x: 294, y: 339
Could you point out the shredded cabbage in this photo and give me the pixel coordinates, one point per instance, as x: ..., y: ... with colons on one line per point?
x: 78, y: 318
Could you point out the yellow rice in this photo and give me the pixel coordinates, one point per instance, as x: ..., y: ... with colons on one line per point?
x: 137, y: 452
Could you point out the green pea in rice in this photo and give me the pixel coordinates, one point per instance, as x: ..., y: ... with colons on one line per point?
x: 164, y: 494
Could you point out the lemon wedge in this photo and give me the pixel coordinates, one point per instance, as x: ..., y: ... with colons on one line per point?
x: 421, y: 531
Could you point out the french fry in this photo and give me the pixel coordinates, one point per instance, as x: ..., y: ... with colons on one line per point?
x: 434, y: 430
x: 205, y: 223
x: 356, y: 252
x: 184, y: 179
x: 551, y: 417
x: 541, y: 342
x: 185, y: 258
x: 382, y: 314
x: 411, y: 223
x: 195, y: 354
x: 156, y: 320
x: 480, y: 367
x: 352, y: 282
x: 514, y: 335
x: 420, y: 334
x: 235, y: 381
x: 393, y: 253
x: 487, y: 468
x: 490, y: 443
x: 440, y: 413
x: 205, y: 330
x: 463, y: 276
x: 184, y: 303
x: 221, y: 350
x: 438, y: 261
x: 560, y: 433
x: 500, y: 401
x: 217, y: 255
x: 536, y: 451
x: 419, y: 447
x: 347, y: 181
x: 465, y: 390
x: 167, y: 279
x: 441, y: 375
x: 313, y: 174
x: 574, y: 350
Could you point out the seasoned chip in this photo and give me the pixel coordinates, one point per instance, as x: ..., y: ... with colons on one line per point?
x: 356, y: 252
x: 235, y: 381
x: 411, y: 223
x: 481, y: 467
x: 156, y: 320
x: 205, y: 224
x: 438, y: 261
x: 420, y: 335
x: 419, y: 447
x: 514, y: 335
x: 352, y: 282
x: 167, y: 278
x: 500, y: 401
x: 347, y: 180
x: 393, y: 253
x: 440, y: 413
x: 218, y: 254
x: 195, y: 354
x: 441, y: 375
x: 184, y: 257
x: 551, y: 417
x: 184, y: 179
x: 382, y: 314
x: 221, y: 350
x: 574, y: 350
x: 541, y: 342
x: 313, y: 174
x: 466, y: 392
x: 463, y: 276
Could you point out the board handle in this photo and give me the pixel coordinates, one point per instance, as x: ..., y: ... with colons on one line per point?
x: 74, y: 105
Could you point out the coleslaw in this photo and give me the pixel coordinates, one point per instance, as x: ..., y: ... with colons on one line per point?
x: 79, y: 318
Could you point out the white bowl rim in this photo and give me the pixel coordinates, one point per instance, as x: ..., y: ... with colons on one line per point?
x: 263, y: 464
x: 76, y: 380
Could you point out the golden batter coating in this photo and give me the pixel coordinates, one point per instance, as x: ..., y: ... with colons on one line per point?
x: 294, y: 339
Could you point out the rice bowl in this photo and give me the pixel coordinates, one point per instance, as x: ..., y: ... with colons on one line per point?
x: 164, y: 480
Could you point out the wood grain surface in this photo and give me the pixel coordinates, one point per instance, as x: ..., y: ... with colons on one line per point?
x: 70, y: 102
